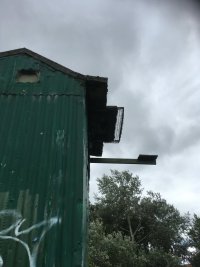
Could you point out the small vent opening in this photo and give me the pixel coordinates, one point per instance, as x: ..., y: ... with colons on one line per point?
x: 119, y: 124
x: 27, y: 76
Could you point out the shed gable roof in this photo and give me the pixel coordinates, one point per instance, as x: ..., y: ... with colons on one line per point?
x: 53, y: 64
x: 102, y: 119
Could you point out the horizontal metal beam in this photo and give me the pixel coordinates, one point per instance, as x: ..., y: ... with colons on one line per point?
x: 142, y: 159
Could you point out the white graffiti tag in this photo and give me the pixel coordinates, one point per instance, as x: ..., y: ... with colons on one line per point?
x: 19, y: 220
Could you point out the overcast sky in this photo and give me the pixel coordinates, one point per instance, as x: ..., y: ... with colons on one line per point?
x: 150, y: 52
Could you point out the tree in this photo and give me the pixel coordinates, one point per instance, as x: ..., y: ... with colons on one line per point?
x: 118, y: 202
x: 153, y: 227
x: 163, y: 225
x: 194, y: 235
x: 107, y: 250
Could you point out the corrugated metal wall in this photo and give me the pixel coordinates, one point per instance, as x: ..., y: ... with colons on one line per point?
x: 43, y: 168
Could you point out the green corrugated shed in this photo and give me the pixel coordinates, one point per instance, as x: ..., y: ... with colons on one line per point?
x: 52, y: 120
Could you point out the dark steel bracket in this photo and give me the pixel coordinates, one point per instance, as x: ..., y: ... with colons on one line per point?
x: 142, y: 159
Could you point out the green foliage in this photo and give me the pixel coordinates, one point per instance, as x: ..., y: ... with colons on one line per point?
x: 159, y: 258
x: 119, y: 197
x: 164, y: 224
x: 114, y: 249
x: 128, y: 229
x: 194, y: 235
x: 195, y: 259
x: 195, y: 232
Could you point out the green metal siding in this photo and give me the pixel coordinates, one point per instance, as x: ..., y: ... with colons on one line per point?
x: 43, y: 168
x: 51, y: 81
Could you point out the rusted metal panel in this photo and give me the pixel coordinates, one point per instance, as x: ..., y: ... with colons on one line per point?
x: 43, y: 168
